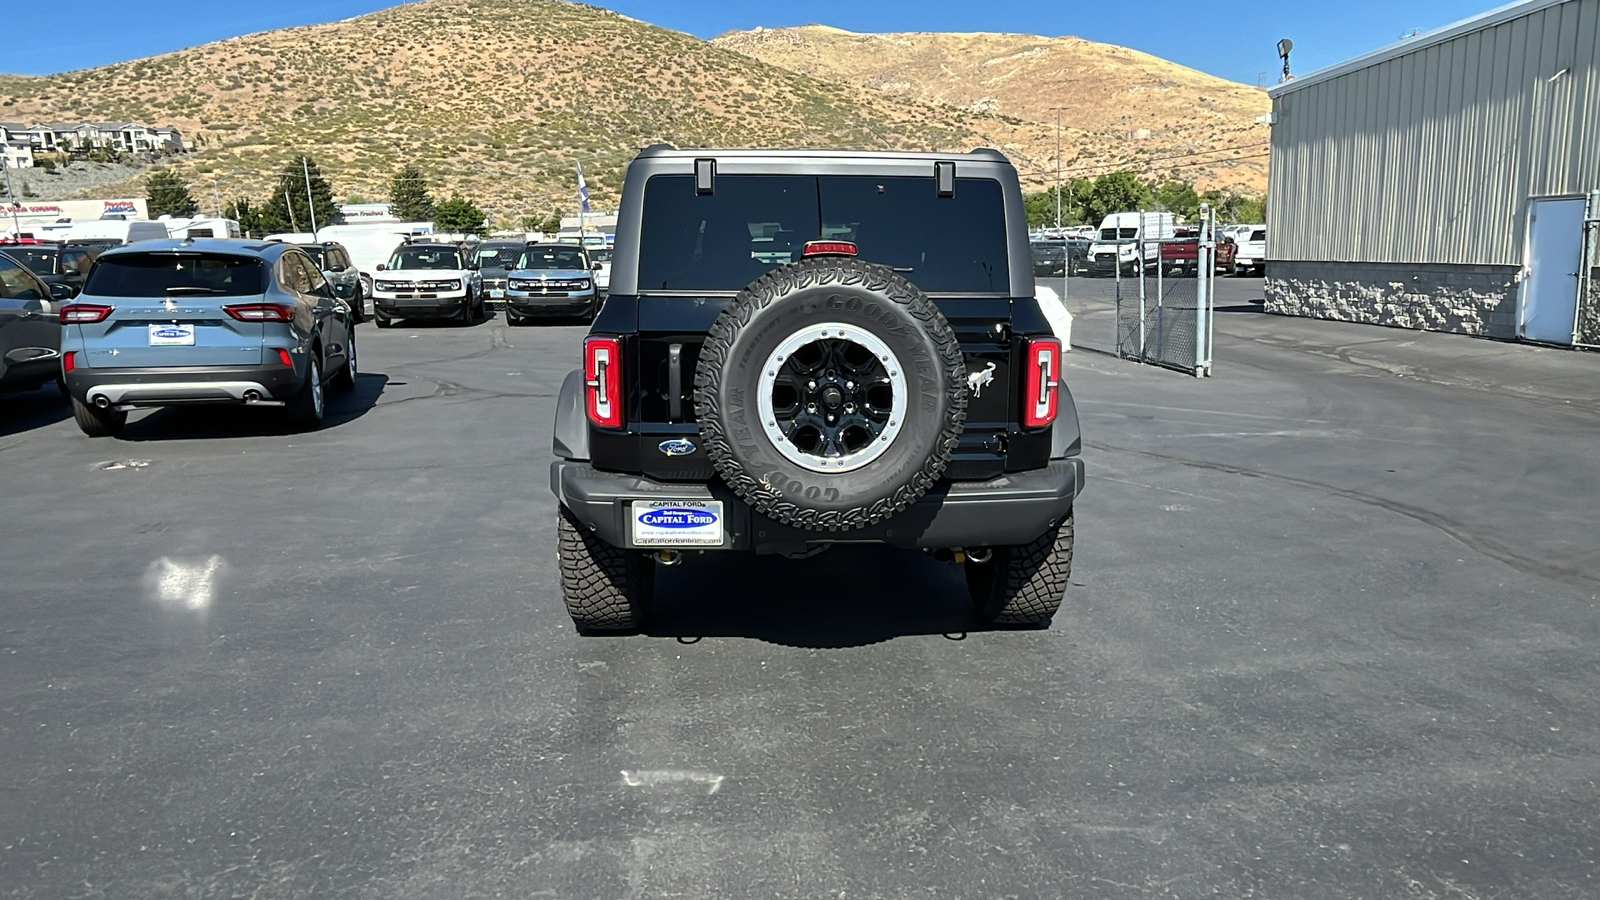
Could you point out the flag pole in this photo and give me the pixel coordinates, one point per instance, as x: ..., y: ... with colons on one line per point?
x: 583, y: 204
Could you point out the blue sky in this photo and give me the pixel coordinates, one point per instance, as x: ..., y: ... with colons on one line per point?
x: 1230, y: 38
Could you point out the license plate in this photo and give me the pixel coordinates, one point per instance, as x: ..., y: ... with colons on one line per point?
x: 496, y: 295
x: 172, y: 335
x: 676, y: 523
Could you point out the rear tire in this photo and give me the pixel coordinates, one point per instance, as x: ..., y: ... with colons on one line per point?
x: 96, y: 422
x: 1024, y: 584
x: 467, y: 310
x: 307, y: 405
x: 606, y: 588
x: 381, y: 320
x: 512, y: 319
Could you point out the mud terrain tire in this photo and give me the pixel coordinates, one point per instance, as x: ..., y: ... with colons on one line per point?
x: 780, y: 477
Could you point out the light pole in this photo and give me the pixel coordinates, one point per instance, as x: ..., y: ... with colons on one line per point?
x: 1058, y: 110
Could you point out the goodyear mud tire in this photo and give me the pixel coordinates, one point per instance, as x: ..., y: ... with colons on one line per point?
x: 1024, y: 584
x: 830, y: 394
x: 606, y: 588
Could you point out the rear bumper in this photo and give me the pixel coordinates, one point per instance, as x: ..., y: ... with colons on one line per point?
x: 1011, y: 509
x: 175, y: 385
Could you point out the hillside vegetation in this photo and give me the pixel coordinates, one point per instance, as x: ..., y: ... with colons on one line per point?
x: 495, y: 99
x: 498, y: 99
x: 1120, y: 108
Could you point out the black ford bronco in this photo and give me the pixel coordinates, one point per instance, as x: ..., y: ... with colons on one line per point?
x: 803, y: 348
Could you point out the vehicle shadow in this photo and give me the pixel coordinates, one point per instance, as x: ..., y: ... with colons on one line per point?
x: 178, y: 423
x: 26, y: 410
x: 850, y: 596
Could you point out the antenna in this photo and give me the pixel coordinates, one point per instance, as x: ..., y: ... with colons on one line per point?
x: 1284, y: 46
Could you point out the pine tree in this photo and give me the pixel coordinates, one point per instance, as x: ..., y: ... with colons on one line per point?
x: 409, y: 200
x: 249, y: 216
x: 168, y: 195
x: 289, y: 196
x: 458, y: 216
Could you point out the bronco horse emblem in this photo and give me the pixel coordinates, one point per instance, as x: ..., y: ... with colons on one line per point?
x: 977, y: 381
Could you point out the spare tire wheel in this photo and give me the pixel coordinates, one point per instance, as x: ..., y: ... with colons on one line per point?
x: 830, y: 394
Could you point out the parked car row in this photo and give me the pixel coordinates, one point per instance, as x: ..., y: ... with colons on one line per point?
x: 1240, y: 250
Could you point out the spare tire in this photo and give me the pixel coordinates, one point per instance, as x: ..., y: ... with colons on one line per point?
x: 831, y: 394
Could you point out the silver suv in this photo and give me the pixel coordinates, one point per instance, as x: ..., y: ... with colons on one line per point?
x: 163, y: 323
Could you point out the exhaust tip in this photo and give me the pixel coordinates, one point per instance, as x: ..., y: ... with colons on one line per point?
x: 102, y: 401
x: 252, y: 396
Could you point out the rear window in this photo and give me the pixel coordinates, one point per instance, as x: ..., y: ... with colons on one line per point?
x: 1260, y: 234
x: 503, y: 257
x: 317, y: 256
x: 752, y: 223
x: 42, y: 260
x: 161, y: 274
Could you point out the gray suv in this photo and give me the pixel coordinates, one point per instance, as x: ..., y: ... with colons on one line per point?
x: 165, y: 323
x: 803, y: 348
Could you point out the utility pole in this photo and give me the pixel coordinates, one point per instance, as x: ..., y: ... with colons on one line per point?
x: 289, y: 205
x: 11, y: 201
x: 1058, y: 110
x: 311, y: 210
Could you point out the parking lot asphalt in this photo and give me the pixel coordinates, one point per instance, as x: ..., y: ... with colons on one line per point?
x: 1332, y: 633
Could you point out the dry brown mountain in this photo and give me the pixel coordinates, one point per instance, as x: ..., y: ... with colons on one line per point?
x: 1124, y: 107
x: 495, y: 99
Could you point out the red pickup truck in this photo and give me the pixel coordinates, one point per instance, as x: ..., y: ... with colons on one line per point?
x: 1182, y: 254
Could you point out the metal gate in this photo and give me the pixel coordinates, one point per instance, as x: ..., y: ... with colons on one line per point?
x: 1586, y: 329
x: 1165, y: 301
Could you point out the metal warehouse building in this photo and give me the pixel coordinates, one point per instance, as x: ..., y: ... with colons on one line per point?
x: 1450, y: 182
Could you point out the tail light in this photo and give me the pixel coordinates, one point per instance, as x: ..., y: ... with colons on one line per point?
x: 69, y: 361
x: 602, y: 380
x: 84, y: 313
x: 260, y: 312
x: 1042, y: 373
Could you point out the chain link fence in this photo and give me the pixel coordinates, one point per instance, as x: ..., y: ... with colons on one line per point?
x: 1161, y: 288
x: 1586, y: 330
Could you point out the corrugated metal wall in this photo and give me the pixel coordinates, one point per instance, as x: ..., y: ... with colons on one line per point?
x: 1430, y: 157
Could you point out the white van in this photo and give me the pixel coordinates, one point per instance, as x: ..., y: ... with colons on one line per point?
x: 1116, y: 245
x: 369, y: 244
x: 202, y: 227
x: 114, y: 232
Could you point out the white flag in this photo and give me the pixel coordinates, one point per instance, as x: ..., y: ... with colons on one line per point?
x: 583, y: 190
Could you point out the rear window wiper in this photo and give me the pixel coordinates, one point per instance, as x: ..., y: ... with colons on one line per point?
x: 193, y: 289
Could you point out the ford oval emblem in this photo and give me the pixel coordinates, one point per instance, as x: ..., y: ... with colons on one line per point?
x: 677, y: 447
x: 678, y: 517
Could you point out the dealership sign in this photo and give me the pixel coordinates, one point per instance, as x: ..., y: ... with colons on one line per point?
x: 49, y: 212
